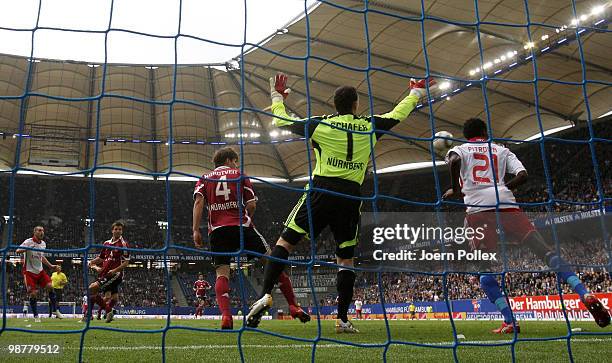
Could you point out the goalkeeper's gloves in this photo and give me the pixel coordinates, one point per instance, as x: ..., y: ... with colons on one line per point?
x: 278, y: 88
x: 417, y: 88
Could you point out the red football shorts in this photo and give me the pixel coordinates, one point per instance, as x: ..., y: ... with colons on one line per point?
x: 515, y: 224
x: 33, y: 280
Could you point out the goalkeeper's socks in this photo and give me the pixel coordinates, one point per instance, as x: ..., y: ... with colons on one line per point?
x: 273, y: 269
x: 34, y: 306
x: 223, y: 300
x: 284, y: 283
x: 52, y: 301
x: 563, y: 271
x: 345, y: 283
x: 491, y: 288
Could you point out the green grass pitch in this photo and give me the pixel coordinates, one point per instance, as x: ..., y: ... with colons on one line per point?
x: 199, y: 346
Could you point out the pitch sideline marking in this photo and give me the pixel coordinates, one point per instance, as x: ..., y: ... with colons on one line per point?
x: 309, y: 346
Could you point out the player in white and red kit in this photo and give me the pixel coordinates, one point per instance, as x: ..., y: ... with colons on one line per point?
x: 472, y: 167
x: 33, y: 274
x: 230, y: 201
x: 358, y: 307
x: 84, y: 309
x: 199, y: 288
x: 109, y: 265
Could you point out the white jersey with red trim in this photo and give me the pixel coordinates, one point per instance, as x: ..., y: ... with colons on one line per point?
x: 358, y: 304
x: 477, y: 183
x: 221, y: 195
x: 33, y: 259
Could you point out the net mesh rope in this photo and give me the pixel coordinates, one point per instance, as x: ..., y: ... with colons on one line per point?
x: 577, y: 35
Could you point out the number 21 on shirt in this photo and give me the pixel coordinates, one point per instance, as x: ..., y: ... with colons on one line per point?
x: 479, y: 171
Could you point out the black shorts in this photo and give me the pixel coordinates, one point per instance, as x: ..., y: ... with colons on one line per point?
x: 227, y: 239
x: 59, y: 294
x: 341, y: 214
x: 110, y: 283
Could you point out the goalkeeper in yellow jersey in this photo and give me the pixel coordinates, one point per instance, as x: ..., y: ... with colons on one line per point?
x: 342, y: 146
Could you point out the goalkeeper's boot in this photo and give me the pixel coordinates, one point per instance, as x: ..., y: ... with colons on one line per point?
x: 258, y: 309
x: 298, y: 313
x: 227, y: 322
x: 596, y: 308
x: 110, y: 315
x: 36, y: 319
x: 348, y: 327
x: 58, y: 314
x: 507, y: 328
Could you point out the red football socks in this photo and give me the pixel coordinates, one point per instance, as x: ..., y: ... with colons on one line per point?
x: 223, y: 300
x: 284, y: 283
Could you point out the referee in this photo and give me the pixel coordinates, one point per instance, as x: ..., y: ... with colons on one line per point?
x: 342, y: 147
x: 58, y: 282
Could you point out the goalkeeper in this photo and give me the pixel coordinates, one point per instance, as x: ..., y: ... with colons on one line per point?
x: 342, y: 148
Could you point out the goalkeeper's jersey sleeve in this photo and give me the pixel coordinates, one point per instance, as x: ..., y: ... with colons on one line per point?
x: 343, y: 143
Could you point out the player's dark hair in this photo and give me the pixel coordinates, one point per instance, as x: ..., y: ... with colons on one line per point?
x: 223, y: 155
x: 474, y: 127
x: 344, y: 97
x: 118, y: 224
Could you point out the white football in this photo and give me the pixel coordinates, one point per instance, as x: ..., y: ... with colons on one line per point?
x: 441, y: 145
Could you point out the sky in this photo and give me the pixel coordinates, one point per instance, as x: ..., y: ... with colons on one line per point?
x: 219, y: 20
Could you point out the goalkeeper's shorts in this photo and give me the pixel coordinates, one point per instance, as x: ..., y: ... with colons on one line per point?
x: 340, y: 213
x: 227, y: 239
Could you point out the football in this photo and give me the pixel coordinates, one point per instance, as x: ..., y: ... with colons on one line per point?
x: 441, y: 145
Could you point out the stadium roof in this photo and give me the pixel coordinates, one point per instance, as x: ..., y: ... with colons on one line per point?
x: 135, y: 134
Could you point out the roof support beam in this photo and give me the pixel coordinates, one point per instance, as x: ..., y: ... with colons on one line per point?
x: 90, y: 112
x: 213, y: 99
x: 528, y: 103
x: 152, y: 109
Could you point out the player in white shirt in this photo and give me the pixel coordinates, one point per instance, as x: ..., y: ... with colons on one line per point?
x: 471, y: 167
x: 358, y: 306
x: 84, y: 309
x: 33, y: 274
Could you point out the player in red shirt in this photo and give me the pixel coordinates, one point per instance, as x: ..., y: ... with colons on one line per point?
x: 200, y: 287
x: 221, y: 191
x: 34, y: 275
x: 109, y: 265
x: 472, y: 177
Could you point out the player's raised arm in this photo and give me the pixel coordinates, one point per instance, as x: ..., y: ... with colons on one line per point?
x: 399, y: 113
x: 278, y: 93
